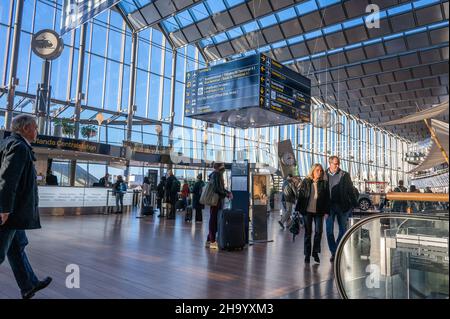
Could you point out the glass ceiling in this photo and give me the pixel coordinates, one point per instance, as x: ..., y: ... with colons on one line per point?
x: 198, y: 12
x: 307, y: 7
x: 129, y: 6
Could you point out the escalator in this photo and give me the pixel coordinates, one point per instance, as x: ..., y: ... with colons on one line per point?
x: 395, y: 256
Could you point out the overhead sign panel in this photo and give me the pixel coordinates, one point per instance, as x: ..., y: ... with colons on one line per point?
x: 70, y: 144
x: 255, y: 91
x: 77, y: 12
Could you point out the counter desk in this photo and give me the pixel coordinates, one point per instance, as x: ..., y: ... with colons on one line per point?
x: 66, y: 200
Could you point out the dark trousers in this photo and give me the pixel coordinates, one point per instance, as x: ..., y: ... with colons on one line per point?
x: 342, y: 218
x: 198, y: 214
x: 12, y: 245
x: 172, y: 211
x: 213, y: 212
x: 309, y: 218
x: 159, y: 204
x: 119, y: 200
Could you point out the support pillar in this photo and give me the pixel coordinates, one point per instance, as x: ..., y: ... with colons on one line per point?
x: 172, y: 98
x: 131, y: 97
x: 78, y: 97
x: 43, y: 98
x: 13, y: 81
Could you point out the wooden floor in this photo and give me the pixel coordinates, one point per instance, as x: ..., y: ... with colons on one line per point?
x: 125, y: 257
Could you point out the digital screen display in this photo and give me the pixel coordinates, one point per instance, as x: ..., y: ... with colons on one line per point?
x: 255, y: 81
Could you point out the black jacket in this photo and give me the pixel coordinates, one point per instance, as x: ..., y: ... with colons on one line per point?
x: 217, y: 181
x: 323, y: 196
x: 51, y: 180
x: 346, y: 198
x: 197, y: 193
x: 169, y: 194
x: 18, y: 184
x: 160, y: 189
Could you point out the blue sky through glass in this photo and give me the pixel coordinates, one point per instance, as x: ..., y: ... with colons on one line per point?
x: 332, y: 28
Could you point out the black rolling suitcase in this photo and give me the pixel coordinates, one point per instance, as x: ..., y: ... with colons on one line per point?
x: 231, y: 229
x: 179, y: 205
x: 146, y: 207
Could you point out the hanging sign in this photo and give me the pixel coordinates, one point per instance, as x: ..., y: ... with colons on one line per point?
x: 77, y: 12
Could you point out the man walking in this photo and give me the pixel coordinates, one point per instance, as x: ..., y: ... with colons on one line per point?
x: 289, y: 199
x: 399, y: 206
x: 19, y: 202
x: 342, y: 201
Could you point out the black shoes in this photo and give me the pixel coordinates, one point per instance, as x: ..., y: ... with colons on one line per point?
x: 281, y: 224
x: 316, y: 258
x: 307, y: 260
x: 40, y: 285
x: 332, y: 259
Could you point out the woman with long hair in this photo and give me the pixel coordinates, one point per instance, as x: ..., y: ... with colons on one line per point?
x: 313, y: 204
x: 217, y: 180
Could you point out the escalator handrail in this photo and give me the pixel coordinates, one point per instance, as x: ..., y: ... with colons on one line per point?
x: 355, y: 227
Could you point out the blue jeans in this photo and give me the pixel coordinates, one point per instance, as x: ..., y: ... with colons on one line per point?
x: 342, y: 219
x: 119, y: 202
x: 12, y: 245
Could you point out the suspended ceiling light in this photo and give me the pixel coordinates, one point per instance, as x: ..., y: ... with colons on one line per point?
x: 321, y: 117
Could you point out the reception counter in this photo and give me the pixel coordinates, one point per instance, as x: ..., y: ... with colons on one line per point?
x: 61, y: 200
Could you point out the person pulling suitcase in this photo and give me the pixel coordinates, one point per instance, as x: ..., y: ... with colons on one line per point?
x: 218, y: 188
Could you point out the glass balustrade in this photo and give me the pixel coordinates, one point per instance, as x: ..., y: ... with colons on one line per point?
x: 395, y: 256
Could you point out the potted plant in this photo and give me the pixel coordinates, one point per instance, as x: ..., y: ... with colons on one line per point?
x: 57, y: 123
x: 64, y: 125
x: 88, y: 131
x: 68, y: 127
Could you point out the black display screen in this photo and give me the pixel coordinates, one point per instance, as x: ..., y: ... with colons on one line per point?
x: 256, y: 81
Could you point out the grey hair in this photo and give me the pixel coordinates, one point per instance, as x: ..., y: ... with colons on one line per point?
x: 19, y: 122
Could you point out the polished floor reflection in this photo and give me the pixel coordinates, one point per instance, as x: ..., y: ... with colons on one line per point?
x: 120, y: 256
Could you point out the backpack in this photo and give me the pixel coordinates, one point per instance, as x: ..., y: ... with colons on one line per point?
x: 176, y: 186
x: 295, y: 225
x: 289, y: 194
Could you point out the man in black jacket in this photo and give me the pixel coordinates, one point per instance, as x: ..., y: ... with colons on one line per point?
x: 171, y: 193
x: 19, y: 202
x: 160, y: 193
x: 51, y: 179
x: 342, y: 201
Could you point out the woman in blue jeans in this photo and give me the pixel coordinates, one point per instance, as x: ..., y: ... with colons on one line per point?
x: 313, y: 204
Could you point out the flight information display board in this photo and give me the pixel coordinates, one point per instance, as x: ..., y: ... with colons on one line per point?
x: 284, y: 90
x: 256, y: 82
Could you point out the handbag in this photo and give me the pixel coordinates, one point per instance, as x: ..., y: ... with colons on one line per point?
x: 209, y: 196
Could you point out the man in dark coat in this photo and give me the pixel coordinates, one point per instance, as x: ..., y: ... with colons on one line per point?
x: 171, y: 193
x: 104, y: 181
x: 51, y: 179
x: 197, y: 191
x: 342, y: 201
x: 160, y: 193
x: 19, y: 202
